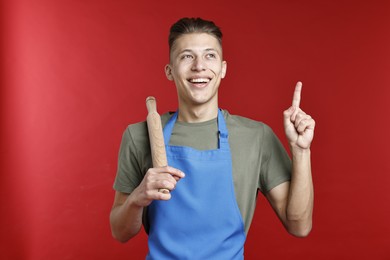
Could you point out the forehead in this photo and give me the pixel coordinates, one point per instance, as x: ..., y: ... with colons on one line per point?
x: 196, y: 42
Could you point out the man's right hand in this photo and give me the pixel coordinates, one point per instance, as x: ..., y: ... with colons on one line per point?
x: 154, y: 180
x: 126, y: 213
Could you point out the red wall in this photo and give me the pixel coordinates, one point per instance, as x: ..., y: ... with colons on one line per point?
x: 75, y: 73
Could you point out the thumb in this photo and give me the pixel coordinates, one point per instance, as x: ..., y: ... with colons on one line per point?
x: 288, y: 113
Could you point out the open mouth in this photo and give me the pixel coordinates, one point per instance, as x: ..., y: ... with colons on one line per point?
x: 199, y: 81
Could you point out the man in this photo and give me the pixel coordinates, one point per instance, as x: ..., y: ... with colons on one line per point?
x: 217, y: 163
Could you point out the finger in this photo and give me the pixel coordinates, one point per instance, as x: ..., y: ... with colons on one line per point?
x: 162, y: 195
x: 158, y: 194
x: 301, y: 127
x: 173, y: 171
x: 306, y: 124
x: 297, y: 111
x: 158, y: 174
x: 161, y: 182
x: 299, y: 117
x: 288, y: 113
x: 297, y: 94
x: 166, y: 185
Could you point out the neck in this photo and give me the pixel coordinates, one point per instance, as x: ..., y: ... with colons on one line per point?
x: 197, y: 114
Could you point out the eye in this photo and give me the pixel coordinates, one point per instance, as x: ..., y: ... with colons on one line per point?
x: 186, y: 56
x: 211, y: 55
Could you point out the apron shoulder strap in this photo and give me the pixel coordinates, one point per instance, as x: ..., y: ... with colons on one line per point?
x: 222, y: 130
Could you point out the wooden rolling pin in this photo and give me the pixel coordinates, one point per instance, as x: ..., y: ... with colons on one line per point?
x: 156, y: 137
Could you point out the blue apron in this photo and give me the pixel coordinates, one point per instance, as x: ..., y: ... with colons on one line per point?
x: 202, y: 219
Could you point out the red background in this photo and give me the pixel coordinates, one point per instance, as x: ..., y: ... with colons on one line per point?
x: 74, y: 74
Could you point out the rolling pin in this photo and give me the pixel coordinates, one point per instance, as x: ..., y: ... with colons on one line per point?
x: 156, y: 137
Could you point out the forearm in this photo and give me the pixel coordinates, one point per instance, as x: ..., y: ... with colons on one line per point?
x: 126, y: 220
x: 300, y: 200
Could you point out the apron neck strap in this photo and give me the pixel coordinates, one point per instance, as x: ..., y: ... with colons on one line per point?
x: 222, y: 129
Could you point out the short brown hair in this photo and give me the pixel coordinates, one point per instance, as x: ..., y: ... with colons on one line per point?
x: 193, y: 25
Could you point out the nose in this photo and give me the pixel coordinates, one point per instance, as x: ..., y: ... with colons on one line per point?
x: 198, y: 65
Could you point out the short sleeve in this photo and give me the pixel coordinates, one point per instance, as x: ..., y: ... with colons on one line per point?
x: 134, y: 158
x: 276, y: 165
x: 129, y: 173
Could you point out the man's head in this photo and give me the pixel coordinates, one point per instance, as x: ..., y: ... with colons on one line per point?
x: 196, y: 64
x: 193, y: 25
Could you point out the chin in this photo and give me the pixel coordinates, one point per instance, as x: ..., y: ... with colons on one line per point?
x: 203, y: 101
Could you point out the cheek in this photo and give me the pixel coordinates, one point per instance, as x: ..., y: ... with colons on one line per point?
x: 217, y: 70
x: 179, y: 77
x: 181, y: 69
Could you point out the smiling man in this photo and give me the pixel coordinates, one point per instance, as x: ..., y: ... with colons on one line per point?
x: 217, y: 163
x: 197, y: 68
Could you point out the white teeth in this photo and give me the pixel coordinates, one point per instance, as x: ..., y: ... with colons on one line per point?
x: 199, y: 80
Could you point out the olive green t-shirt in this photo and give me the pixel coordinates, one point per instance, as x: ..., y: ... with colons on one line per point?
x: 259, y: 160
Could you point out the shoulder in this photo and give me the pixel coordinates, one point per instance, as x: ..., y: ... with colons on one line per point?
x: 237, y: 123
x: 249, y: 132
x: 138, y: 132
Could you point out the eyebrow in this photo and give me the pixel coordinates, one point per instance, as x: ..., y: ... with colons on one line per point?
x: 190, y: 50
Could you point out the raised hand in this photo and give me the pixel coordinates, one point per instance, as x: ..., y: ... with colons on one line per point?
x: 298, y: 126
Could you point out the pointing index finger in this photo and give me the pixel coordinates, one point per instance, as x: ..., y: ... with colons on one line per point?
x: 297, y: 95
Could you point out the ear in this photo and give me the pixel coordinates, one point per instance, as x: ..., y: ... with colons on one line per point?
x: 224, y: 68
x: 168, y: 72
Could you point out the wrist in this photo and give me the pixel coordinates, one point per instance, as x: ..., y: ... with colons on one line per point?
x: 133, y: 202
x: 298, y: 151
